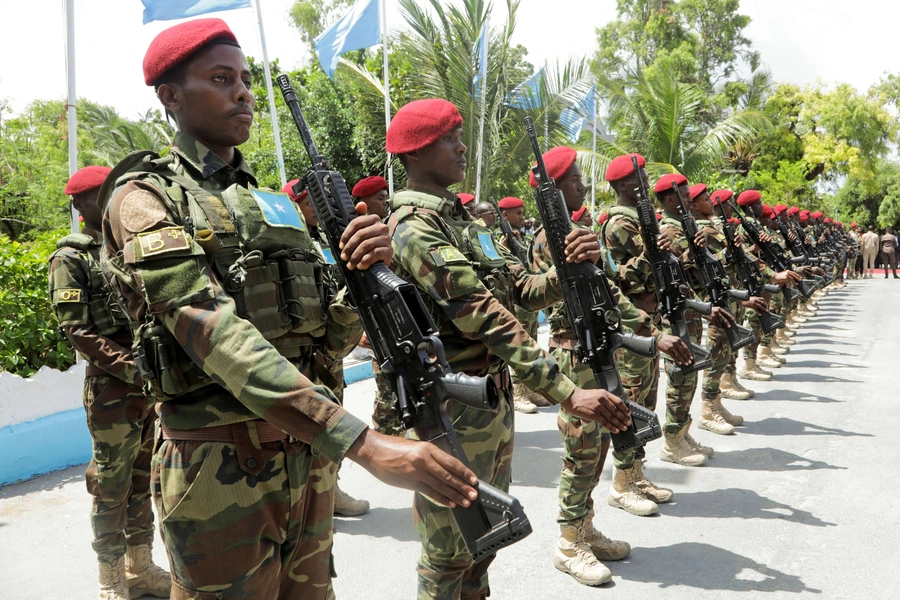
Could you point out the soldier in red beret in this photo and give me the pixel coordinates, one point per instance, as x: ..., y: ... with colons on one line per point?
x: 471, y: 289
x: 120, y: 417
x: 374, y: 192
x: 246, y: 391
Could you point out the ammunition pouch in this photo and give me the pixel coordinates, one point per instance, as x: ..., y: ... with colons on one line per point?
x: 165, y: 367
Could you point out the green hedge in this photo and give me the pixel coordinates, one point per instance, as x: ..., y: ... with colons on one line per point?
x: 29, y: 331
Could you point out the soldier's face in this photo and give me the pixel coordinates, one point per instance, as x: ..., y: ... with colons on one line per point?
x: 442, y: 163
x: 703, y: 205
x: 515, y: 216
x: 309, y: 215
x: 572, y: 187
x: 627, y: 188
x: 86, y: 205
x: 377, y: 203
x: 756, y: 209
x: 214, y: 104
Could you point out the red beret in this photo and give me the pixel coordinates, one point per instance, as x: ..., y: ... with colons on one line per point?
x: 827, y: 219
x: 510, y: 202
x: 839, y: 224
x: 173, y: 45
x: 778, y: 209
x: 793, y: 210
x: 720, y: 196
x: 749, y: 198
x: 579, y: 213
x: 289, y: 190
x: 665, y: 182
x: 767, y: 211
x: 465, y: 198
x: 87, y: 179
x: 804, y: 212
x: 817, y: 214
x: 734, y: 221
x: 368, y: 186
x: 420, y: 123
x: 558, y: 161
x: 603, y: 218
x: 853, y: 224
x: 696, y: 189
x: 620, y: 167
x: 804, y: 218
x: 659, y: 216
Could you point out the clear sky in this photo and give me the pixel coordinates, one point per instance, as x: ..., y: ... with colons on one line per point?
x: 800, y: 41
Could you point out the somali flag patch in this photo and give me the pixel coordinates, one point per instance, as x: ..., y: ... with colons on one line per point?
x: 487, y: 245
x: 278, y: 209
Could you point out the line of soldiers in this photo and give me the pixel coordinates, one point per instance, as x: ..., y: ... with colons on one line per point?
x: 193, y: 292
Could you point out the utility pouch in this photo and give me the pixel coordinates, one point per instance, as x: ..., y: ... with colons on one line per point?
x: 255, y: 285
x: 303, y: 285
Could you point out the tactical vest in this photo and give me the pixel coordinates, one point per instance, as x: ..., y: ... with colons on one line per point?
x: 106, y: 314
x: 260, y: 249
x: 475, y: 241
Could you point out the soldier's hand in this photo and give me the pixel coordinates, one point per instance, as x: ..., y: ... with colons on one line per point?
x: 665, y: 244
x: 599, y: 406
x: 581, y: 245
x: 721, y: 317
x: 765, y: 237
x: 418, y: 466
x: 786, y: 278
x: 700, y: 239
x: 738, y: 240
x: 364, y: 342
x: 365, y: 241
x: 756, y: 303
x: 676, y: 349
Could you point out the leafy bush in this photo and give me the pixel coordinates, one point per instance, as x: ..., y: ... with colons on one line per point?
x: 29, y: 334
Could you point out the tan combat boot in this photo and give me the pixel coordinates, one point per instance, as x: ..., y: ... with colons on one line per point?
x: 346, y: 505
x: 732, y: 389
x: 624, y: 494
x: 112, y: 580
x: 660, y: 495
x: 711, y: 420
x: 750, y: 370
x: 776, y: 352
x: 796, y: 319
x: 574, y: 556
x: 731, y: 419
x: 676, y: 450
x: 520, y: 400
x: 603, y: 547
x: 143, y: 577
x: 694, y: 444
x: 764, y: 359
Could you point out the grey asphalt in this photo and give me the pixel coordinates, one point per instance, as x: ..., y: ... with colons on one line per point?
x: 802, y: 502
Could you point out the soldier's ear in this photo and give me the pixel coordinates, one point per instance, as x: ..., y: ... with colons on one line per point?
x: 170, y: 97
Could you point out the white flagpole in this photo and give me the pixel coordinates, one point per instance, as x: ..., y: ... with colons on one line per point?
x: 71, y: 115
x: 387, y: 88
x: 594, y: 165
x: 481, y: 124
x: 275, y: 131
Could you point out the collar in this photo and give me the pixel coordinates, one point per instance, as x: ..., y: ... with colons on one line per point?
x: 446, y: 207
x: 205, y: 161
x: 628, y: 211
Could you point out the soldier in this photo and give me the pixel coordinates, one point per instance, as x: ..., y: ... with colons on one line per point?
x: 854, y: 268
x: 620, y: 234
x: 470, y: 285
x: 244, y: 467
x: 344, y: 503
x: 468, y: 201
x: 120, y: 417
x: 679, y: 446
x: 374, y: 192
x: 484, y: 214
x: 582, y: 217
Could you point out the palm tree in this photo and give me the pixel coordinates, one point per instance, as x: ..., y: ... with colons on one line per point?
x: 115, y: 137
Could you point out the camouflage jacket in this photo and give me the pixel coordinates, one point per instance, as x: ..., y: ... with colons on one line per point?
x: 671, y: 226
x: 168, y: 277
x: 718, y: 245
x: 478, y: 331
x: 756, y: 253
x: 621, y: 236
x: 76, y: 285
x: 633, y: 318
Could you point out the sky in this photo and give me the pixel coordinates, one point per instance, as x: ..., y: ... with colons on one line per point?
x: 800, y: 41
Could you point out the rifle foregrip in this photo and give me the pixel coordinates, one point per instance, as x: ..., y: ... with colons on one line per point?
x: 771, y: 288
x: 475, y: 392
x: 701, y: 308
x: 742, y: 295
x: 644, y: 346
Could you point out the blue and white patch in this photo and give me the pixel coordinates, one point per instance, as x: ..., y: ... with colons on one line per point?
x: 278, y: 209
x: 487, y: 245
x: 325, y: 251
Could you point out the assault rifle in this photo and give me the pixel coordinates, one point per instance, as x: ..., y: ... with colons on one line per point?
x: 591, y: 309
x: 514, y: 244
x: 799, y: 247
x: 406, y: 345
x: 673, y: 294
x: 713, y: 276
x: 748, y: 273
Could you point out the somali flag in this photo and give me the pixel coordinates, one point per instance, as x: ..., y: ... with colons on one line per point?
x: 278, y: 209
x: 527, y: 95
x: 166, y: 10
x: 358, y: 29
x: 579, y: 117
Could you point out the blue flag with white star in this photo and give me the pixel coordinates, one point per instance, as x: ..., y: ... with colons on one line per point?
x: 278, y: 209
x: 166, y: 10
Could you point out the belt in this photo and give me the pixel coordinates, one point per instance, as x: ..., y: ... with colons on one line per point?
x: 566, y: 342
x: 265, y: 432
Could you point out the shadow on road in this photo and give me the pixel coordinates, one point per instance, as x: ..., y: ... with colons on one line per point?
x: 785, y: 426
x: 735, y: 503
x: 823, y: 340
x: 814, y: 378
x: 827, y: 364
x: 794, y: 396
x: 50, y: 481
x: 396, y: 523
x: 767, y: 459
x: 707, y: 567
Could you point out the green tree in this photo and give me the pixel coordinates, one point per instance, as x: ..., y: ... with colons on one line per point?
x: 312, y: 17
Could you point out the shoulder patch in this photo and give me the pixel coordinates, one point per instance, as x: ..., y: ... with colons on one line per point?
x: 487, y: 245
x: 140, y: 210
x: 161, y: 241
x: 451, y: 255
x: 68, y: 295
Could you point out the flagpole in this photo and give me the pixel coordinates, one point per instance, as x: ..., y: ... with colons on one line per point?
x: 275, y: 130
x: 382, y: 9
x: 482, y: 100
x: 71, y: 115
x: 594, y: 163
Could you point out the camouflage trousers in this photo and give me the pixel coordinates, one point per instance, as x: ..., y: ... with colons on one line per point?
x: 529, y: 321
x: 776, y: 307
x: 584, y: 452
x: 721, y: 353
x: 640, y: 379
x: 121, y: 423
x: 680, y: 388
x: 446, y: 570
x: 749, y: 315
x: 386, y: 421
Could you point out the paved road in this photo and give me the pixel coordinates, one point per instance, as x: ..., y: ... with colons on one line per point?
x: 803, y: 502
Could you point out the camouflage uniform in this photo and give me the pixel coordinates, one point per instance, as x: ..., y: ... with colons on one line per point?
x: 528, y: 318
x: 752, y: 317
x: 469, y: 286
x: 246, y: 510
x: 120, y: 417
x: 716, y: 340
x: 582, y: 458
x: 384, y: 418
